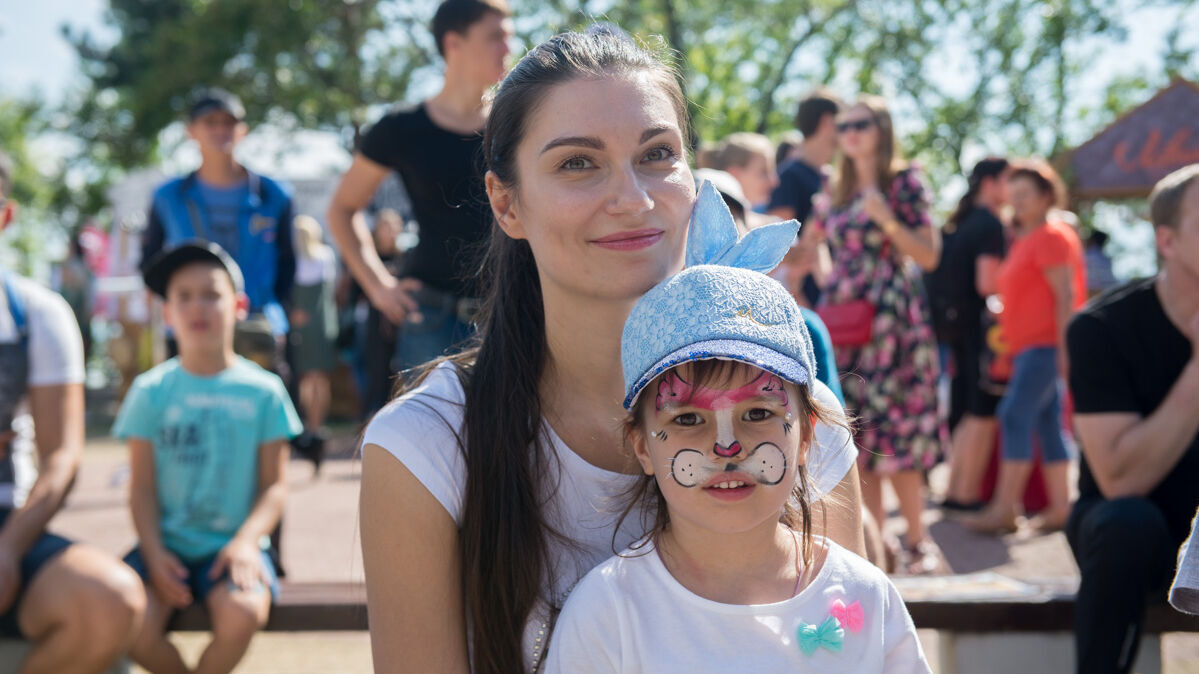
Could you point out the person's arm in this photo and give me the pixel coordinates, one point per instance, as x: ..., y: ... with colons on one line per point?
x: 353, y: 239
x: 1130, y: 455
x: 411, y: 557
x: 839, y: 515
x: 241, y: 556
x: 1059, y: 279
x: 57, y: 412
x: 986, y: 274
x: 167, y: 573
x: 910, y: 231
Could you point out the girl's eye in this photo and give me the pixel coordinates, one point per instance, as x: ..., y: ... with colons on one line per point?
x: 660, y: 153
x: 688, y: 419
x: 576, y: 163
x: 758, y: 414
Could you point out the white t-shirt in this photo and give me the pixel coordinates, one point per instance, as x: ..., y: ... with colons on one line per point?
x: 419, y: 430
x: 631, y: 615
x: 55, y: 354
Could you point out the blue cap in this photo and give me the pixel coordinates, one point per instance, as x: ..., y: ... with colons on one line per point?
x: 728, y: 309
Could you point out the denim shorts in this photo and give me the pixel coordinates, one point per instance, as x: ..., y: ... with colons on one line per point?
x: 45, y: 548
x: 197, y: 575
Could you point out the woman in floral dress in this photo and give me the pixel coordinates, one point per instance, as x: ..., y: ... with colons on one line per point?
x: 876, y: 224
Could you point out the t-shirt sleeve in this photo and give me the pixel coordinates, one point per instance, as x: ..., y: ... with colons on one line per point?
x: 833, y: 453
x: 1100, y: 380
x: 792, y: 193
x: 137, y: 417
x: 279, y: 418
x: 910, y: 199
x: 1052, y: 250
x: 586, y: 639
x: 419, y: 430
x: 991, y: 240
x: 380, y: 142
x: 902, y: 652
x: 55, y: 346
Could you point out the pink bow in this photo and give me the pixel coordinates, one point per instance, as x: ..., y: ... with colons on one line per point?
x: 850, y: 616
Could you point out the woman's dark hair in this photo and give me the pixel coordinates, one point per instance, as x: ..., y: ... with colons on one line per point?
x: 646, y: 497
x: 505, y: 535
x: 991, y: 167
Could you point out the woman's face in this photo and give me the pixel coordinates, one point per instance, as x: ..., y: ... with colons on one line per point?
x: 725, y: 455
x: 857, y: 132
x: 604, y: 193
x: 758, y: 178
x: 1029, y: 205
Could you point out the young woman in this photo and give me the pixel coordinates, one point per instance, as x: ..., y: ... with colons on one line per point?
x: 490, y: 489
x: 876, y: 218
x: 1041, y: 282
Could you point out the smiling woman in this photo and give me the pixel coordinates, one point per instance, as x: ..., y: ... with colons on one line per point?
x: 507, y: 462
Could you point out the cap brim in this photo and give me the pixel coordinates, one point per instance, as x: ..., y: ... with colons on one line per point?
x: 158, y: 273
x: 724, y: 349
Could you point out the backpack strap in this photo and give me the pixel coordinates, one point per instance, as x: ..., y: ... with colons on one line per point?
x: 16, y: 306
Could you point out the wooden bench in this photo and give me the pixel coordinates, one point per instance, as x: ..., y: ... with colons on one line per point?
x: 301, y: 607
x: 1029, y: 630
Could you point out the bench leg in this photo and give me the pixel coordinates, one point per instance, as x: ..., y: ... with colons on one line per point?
x: 1027, y: 653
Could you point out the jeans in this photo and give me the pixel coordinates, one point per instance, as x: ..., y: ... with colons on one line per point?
x: 434, y: 336
x: 1125, y: 556
x: 1033, y: 402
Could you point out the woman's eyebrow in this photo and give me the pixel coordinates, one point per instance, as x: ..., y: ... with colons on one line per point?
x: 597, y: 144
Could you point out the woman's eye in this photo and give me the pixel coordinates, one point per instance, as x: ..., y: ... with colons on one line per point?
x: 660, y: 153
x: 576, y: 163
x: 758, y: 414
x: 688, y: 419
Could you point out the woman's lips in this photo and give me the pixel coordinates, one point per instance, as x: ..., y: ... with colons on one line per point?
x: 634, y: 240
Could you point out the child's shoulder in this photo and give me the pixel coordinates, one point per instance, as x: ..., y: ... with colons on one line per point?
x: 847, y: 568
x: 246, y: 373
x: 157, y: 375
x: 628, y: 574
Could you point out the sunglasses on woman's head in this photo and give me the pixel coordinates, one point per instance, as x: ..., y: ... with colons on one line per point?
x: 856, y: 125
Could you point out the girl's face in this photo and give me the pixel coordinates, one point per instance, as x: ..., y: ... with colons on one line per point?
x: 857, y: 132
x: 1029, y: 205
x: 725, y: 454
x: 757, y: 178
x: 604, y: 191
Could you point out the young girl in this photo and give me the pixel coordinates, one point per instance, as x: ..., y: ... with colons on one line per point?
x: 718, y: 367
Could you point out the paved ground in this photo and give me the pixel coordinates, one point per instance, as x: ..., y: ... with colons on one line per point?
x: 321, y: 544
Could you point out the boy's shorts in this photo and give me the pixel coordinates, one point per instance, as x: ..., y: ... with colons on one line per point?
x: 45, y: 548
x: 197, y: 575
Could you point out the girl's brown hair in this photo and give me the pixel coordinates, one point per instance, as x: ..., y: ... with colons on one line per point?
x: 505, y: 535
x: 1042, y: 175
x: 646, y: 497
x: 889, y: 157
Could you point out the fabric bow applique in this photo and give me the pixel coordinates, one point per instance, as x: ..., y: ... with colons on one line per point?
x: 712, y: 237
x: 828, y: 635
x: 850, y: 617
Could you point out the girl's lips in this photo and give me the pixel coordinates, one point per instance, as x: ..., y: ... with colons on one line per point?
x: 634, y: 240
x: 730, y: 493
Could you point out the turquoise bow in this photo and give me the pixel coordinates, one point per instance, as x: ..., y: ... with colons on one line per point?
x: 829, y: 635
x: 712, y: 237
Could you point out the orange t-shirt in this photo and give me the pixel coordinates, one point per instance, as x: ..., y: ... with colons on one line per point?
x: 1028, y: 318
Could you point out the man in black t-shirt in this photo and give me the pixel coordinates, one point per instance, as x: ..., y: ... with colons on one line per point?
x: 1134, y: 374
x: 436, y: 148
x: 802, y: 177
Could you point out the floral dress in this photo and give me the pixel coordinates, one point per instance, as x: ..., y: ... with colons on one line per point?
x: 890, y: 384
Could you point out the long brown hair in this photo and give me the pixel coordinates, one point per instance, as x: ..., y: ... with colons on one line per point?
x: 991, y: 167
x: 505, y: 534
x: 646, y: 498
x: 889, y: 157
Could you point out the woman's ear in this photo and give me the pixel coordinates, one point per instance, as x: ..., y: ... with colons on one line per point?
x: 640, y: 442
x: 503, y: 206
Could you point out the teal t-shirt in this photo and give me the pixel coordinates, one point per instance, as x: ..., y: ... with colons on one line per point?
x: 822, y: 344
x: 206, y: 432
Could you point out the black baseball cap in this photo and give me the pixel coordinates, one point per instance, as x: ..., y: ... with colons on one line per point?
x: 208, y: 100
x: 164, y: 265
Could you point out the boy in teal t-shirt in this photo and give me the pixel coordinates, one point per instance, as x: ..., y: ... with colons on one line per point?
x: 207, y: 433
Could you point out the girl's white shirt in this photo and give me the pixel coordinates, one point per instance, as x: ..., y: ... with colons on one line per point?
x: 420, y: 429
x: 631, y: 615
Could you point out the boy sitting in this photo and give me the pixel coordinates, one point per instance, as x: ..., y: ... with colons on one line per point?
x: 208, y: 433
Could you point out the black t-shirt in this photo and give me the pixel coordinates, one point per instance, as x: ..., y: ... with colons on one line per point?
x: 952, y: 291
x: 443, y: 173
x: 798, y: 183
x: 1125, y: 355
